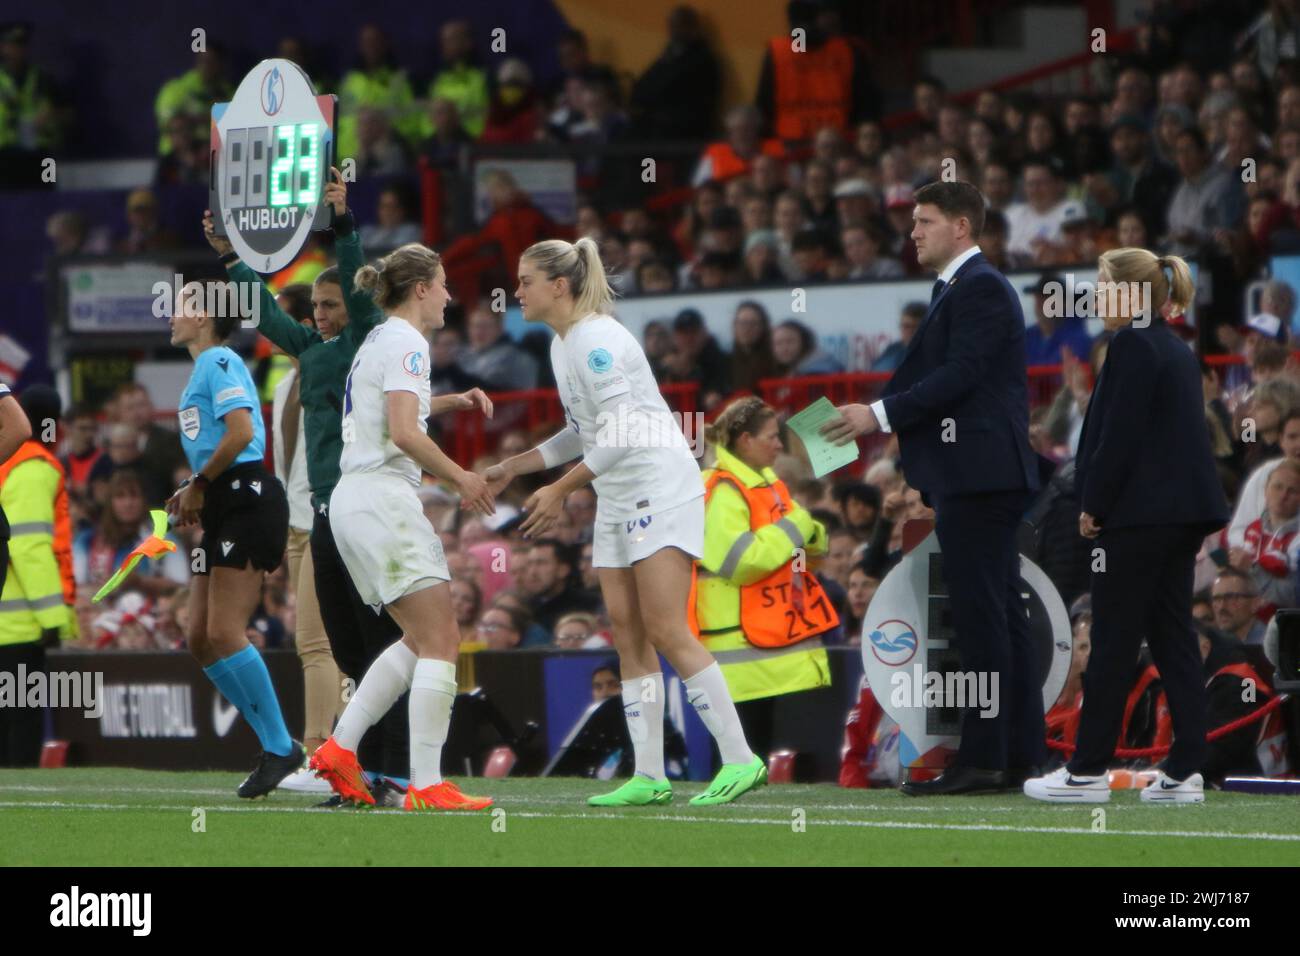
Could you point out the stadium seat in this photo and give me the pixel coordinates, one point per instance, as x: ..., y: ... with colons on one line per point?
x: 500, y: 761
x: 54, y: 754
x: 780, y: 766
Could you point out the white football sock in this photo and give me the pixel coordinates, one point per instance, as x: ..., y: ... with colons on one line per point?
x: 433, y: 689
x: 643, y: 709
x: 707, y: 691
x: 387, y: 679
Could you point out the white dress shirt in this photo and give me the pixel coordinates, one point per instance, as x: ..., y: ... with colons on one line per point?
x: 950, y: 270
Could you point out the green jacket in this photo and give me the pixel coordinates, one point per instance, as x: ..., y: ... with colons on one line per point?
x: 186, y: 94
x: 323, y: 364
x: 384, y: 89
x: 467, y: 87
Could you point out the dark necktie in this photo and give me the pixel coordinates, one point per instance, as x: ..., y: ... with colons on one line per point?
x: 938, y: 287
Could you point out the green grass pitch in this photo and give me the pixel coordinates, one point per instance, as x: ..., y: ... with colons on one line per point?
x: 118, y: 817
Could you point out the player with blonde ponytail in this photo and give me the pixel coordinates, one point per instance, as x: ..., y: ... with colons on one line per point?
x: 649, y: 515
x: 1149, y: 493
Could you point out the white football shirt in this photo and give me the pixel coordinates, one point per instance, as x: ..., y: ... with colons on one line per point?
x: 612, y: 401
x: 394, y: 357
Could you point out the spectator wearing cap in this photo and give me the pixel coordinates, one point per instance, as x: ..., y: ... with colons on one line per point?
x: 855, y: 203
x: 731, y: 157
x: 1080, y: 238
x: 700, y: 353
x: 1141, y: 179
x: 899, y: 203
x: 1037, y: 221
x: 1208, y: 197
x: 514, y: 113
x: 861, y: 243
x: 1052, y: 331
x: 909, y: 320
x: 762, y: 258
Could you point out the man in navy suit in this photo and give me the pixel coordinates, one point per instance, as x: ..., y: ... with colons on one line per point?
x: 959, y: 405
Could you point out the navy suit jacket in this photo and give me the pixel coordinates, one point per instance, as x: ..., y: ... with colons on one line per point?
x: 963, y: 379
x: 1144, y: 452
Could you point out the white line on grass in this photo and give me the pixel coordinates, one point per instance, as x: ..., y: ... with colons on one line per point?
x: 682, y: 818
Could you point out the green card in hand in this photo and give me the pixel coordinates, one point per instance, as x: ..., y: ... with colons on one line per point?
x: 825, y: 456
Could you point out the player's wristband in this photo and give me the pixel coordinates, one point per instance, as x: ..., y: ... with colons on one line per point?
x: 229, y: 257
x: 201, y: 481
x: 345, y: 224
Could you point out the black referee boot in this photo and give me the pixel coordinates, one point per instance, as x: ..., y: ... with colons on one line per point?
x: 270, y: 770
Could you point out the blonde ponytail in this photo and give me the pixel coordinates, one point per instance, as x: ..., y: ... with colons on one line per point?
x: 579, y: 264
x: 1132, y: 265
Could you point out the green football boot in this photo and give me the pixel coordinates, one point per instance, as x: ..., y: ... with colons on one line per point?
x: 640, y: 791
x: 732, y: 780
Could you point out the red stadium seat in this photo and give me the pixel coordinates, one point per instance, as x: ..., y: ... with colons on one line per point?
x: 54, y: 754
x: 780, y: 766
x: 500, y: 762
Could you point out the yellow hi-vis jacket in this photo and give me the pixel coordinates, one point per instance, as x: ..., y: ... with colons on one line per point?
x: 39, y: 583
x: 737, y: 554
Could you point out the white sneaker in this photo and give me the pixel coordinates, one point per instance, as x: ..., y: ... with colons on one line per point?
x: 1060, y: 786
x: 1165, y: 789
x: 305, y: 781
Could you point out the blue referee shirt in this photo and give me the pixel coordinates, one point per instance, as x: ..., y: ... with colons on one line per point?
x: 219, y: 384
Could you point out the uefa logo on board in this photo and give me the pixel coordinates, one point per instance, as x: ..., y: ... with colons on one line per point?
x: 893, y: 642
x: 272, y: 91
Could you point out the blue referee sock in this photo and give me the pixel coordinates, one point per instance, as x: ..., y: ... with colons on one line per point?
x: 231, y: 689
x: 249, y: 670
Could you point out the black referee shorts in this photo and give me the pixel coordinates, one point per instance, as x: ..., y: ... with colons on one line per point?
x: 245, y: 519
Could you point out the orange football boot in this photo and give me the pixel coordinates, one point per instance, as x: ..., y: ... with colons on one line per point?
x: 443, y: 796
x: 340, y: 769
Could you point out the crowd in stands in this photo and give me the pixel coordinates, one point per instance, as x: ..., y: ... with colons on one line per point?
x: 1192, y: 148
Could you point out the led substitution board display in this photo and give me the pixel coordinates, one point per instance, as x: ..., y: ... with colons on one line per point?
x: 272, y: 146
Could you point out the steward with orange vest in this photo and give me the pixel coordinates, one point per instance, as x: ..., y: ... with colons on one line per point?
x: 38, y: 599
x: 812, y: 80
x: 754, y: 603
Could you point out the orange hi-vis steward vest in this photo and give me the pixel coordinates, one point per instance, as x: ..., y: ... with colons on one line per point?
x: 813, y: 88
x: 62, y: 523
x: 783, y: 608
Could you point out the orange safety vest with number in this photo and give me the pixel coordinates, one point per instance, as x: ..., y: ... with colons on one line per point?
x: 813, y: 88
x: 62, y: 523
x: 783, y: 608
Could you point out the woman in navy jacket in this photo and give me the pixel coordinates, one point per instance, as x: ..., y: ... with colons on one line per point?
x: 1150, y: 494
